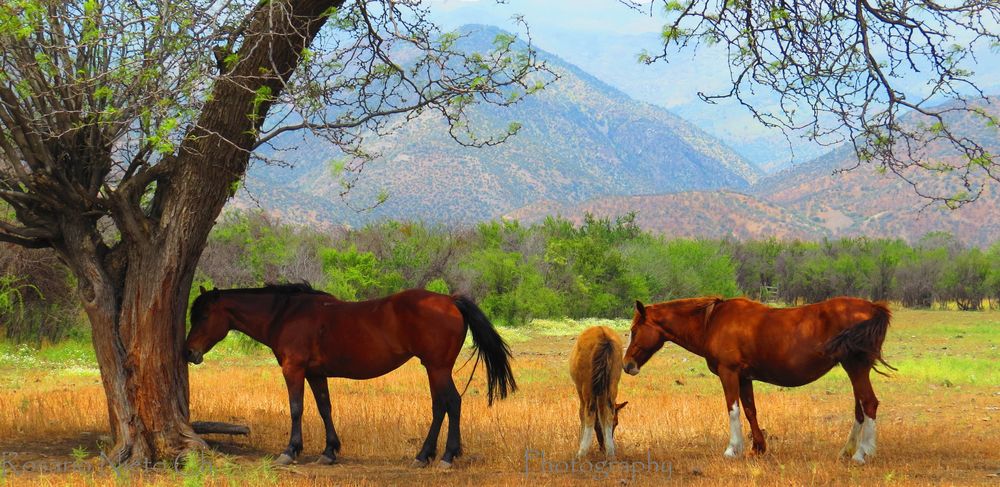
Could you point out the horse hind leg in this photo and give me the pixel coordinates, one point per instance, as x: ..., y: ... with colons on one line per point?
x: 865, y: 411
x: 603, y: 414
x: 321, y: 392
x: 750, y: 411
x: 605, y: 428
x: 453, y: 406
x: 439, y: 408
x: 852, y: 440
x: 588, y: 420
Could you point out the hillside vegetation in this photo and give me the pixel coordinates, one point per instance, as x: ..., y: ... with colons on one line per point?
x: 552, y: 269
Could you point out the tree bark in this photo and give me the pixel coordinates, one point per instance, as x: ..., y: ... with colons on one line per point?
x: 137, y: 321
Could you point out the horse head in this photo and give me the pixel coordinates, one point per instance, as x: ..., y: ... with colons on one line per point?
x: 646, y: 339
x: 209, y: 325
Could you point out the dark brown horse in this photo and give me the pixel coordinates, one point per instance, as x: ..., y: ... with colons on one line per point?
x: 314, y: 336
x: 744, y: 341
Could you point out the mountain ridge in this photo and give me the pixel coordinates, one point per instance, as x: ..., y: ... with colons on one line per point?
x: 830, y: 196
x: 586, y: 146
x: 579, y: 138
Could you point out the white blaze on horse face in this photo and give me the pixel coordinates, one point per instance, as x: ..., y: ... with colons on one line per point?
x: 852, y: 441
x: 735, y: 447
x: 586, y: 439
x: 866, y: 443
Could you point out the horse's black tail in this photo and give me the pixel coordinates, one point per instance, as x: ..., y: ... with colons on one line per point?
x: 600, y: 375
x: 862, y: 342
x: 488, y: 347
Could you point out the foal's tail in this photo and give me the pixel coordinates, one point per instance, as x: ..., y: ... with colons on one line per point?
x: 488, y: 347
x: 863, y: 341
x: 601, y: 365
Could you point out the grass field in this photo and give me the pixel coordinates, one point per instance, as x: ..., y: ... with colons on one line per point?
x: 939, y: 419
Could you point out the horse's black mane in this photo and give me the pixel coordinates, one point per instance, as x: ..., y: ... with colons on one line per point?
x: 274, y: 288
x: 282, y: 290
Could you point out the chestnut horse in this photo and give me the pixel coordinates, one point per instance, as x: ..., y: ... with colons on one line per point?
x: 596, y: 368
x: 744, y: 341
x: 314, y: 336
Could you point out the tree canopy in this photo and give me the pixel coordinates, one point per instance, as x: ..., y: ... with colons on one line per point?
x: 98, y: 97
x: 846, y: 71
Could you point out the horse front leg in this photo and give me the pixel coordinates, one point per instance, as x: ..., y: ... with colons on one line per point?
x: 750, y: 410
x: 295, y: 381
x: 731, y: 386
x: 321, y: 392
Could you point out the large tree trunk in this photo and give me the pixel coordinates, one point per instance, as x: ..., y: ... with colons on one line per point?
x: 137, y: 317
x: 136, y: 295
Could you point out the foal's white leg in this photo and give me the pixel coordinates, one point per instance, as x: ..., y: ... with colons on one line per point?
x: 586, y: 439
x: 609, y: 439
x: 735, y: 447
x: 852, y: 441
x: 866, y: 442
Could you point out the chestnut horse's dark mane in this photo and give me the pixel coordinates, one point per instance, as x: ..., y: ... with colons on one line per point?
x: 280, y: 289
x: 275, y: 288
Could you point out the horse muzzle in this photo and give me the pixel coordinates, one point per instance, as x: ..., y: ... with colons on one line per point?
x: 193, y: 356
x: 631, y: 368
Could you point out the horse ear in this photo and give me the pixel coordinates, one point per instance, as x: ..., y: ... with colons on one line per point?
x: 618, y: 407
x: 640, y: 308
x: 202, y: 288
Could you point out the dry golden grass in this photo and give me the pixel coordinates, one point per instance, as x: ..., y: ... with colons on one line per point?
x: 936, y: 426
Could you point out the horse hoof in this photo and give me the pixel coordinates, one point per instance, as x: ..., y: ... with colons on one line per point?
x: 325, y: 460
x: 418, y: 463
x: 443, y: 465
x: 284, y: 459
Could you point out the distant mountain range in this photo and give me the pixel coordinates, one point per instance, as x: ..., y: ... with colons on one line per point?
x: 605, y: 38
x: 585, y: 146
x: 814, y: 200
x: 580, y: 139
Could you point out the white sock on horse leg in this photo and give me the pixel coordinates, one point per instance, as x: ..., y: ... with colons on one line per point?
x: 852, y: 441
x: 586, y: 439
x: 866, y: 443
x: 735, y: 432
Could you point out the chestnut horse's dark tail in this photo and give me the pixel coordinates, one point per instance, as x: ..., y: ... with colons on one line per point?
x: 863, y: 341
x: 488, y: 347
